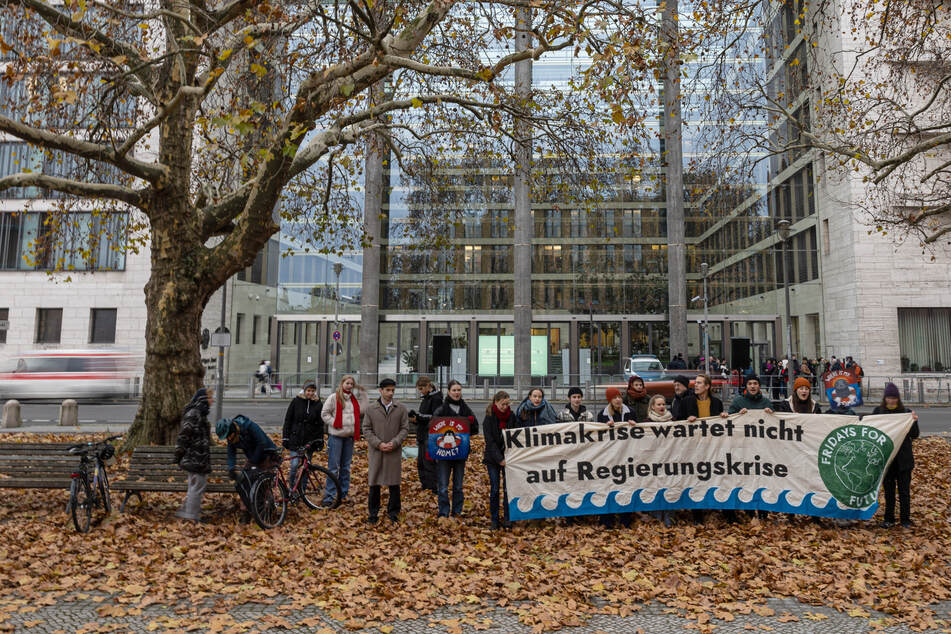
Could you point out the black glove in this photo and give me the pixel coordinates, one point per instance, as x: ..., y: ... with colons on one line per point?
x: 318, y: 444
x: 179, y: 454
x: 233, y: 474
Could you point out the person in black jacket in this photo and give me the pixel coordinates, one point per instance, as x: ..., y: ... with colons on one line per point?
x: 899, y: 472
x: 432, y: 400
x: 193, y: 452
x: 800, y: 402
x: 455, y: 407
x: 682, y: 394
x: 302, y: 425
x: 498, y: 416
x: 702, y: 403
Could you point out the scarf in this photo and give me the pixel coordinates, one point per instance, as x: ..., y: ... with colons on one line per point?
x: 636, y: 393
x: 338, y: 416
x: 659, y: 418
x: 460, y: 403
x: 800, y: 406
x: 502, y: 417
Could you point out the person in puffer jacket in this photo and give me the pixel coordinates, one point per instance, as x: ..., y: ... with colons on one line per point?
x: 302, y: 425
x: 193, y: 452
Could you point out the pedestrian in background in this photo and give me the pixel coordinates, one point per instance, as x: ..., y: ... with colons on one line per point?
x: 387, y: 426
x: 193, y: 452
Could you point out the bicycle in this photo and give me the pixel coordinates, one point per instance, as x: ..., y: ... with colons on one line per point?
x: 270, y: 495
x: 83, y: 494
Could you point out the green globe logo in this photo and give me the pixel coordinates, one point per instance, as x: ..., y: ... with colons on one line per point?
x: 851, y: 462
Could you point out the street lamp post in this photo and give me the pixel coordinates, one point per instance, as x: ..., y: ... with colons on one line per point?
x: 706, y: 322
x: 338, y: 269
x: 784, y: 236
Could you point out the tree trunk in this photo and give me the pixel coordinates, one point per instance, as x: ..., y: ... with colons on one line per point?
x: 175, y: 297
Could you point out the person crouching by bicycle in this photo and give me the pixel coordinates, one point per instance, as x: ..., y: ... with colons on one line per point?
x: 302, y: 425
x: 259, y: 451
x: 193, y: 452
x: 387, y: 426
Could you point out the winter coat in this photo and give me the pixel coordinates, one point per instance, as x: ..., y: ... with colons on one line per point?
x: 842, y: 411
x: 529, y: 415
x: 679, y: 405
x: 464, y: 412
x: 568, y: 415
x: 905, y: 459
x: 639, y: 406
x: 193, y: 447
x: 430, y: 403
x: 786, y: 405
x: 625, y: 415
x: 302, y: 423
x: 380, y: 426
x: 252, y: 440
x: 329, y: 412
x: 745, y: 401
x: 692, y: 408
x: 494, y: 439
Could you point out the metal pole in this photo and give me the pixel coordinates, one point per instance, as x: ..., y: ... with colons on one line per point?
x: 338, y: 268
x: 591, y: 341
x: 784, y: 235
x: 220, y: 383
x: 706, y: 322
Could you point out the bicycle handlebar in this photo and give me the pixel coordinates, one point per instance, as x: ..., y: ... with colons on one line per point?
x: 88, y: 445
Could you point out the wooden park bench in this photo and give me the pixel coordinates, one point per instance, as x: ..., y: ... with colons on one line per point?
x: 46, y: 465
x: 152, y: 469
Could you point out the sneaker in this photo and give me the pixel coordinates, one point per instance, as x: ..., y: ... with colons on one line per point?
x: 907, y: 524
x: 494, y: 526
x: 394, y: 518
x: 373, y: 520
x: 887, y: 524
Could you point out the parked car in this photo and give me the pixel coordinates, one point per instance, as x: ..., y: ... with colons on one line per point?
x: 63, y: 374
x: 646, y: 366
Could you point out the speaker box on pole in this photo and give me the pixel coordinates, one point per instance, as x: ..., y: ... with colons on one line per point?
x: 740, y: 353
x: 442, y: 350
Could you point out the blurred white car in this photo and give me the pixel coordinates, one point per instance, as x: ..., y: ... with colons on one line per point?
x: 59, y: 374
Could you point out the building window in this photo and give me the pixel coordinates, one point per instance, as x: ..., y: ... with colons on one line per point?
x: 102, y: 325
x: 924, y: 337
x: 238, y: 325
x: 255, y: 322
x: 826, y: 247
x: 4, y: 324
x: 49, y: 325
x: 41, y: 241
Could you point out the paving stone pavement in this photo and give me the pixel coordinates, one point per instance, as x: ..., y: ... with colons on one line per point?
x: 74, y: 614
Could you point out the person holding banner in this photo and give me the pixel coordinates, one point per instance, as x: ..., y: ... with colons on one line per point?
x: 899, y: 471
x: 453, y: 407
x: 703, y: 404
x: 498, y: 416
x: 535, y: 410
x: 616, y: 411
x: 657, y: 413
x: 637, y: 399
x: 682, y: 394
x: 800, y: 401
x: 574, y: 411
x: 751, y: 398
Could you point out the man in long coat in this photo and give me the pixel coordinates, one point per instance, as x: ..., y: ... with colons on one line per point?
x: 386, y: 427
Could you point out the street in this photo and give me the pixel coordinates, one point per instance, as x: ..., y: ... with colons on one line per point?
x: 270, y: 414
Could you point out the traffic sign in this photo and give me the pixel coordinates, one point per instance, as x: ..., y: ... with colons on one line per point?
x: 336, y: 335
x: 220, y: 339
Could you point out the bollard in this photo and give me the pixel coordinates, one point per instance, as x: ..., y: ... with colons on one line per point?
x: 11, y: 414
x: 485, y: 389
x: 588, y: 390
x: 69, y: 413
x: 921, y: 391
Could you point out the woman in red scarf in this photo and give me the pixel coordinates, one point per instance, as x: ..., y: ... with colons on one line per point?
x: 341, y: 415
x: 498, y: 417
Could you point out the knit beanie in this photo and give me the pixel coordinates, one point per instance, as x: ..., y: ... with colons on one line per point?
x: 575, y: 390
x: 612, y: 393
x: 680, y: 378
x: 802, y: 382
x: 751, y: 377
x: 891, y: 391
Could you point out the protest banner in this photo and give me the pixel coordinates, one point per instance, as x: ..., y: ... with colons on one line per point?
x: 843, y: 388
x: 448, y: 438
x: 809, y: 464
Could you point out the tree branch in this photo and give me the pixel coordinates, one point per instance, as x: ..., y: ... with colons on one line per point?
x: 76, y: 188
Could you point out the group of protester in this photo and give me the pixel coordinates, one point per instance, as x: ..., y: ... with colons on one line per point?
x: 385, y: 423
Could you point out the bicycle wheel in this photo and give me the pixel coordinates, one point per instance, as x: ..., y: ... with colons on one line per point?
x: 80, y: 504
x: 313, y: 485
x: 268, y: 501
x: 104, y: 490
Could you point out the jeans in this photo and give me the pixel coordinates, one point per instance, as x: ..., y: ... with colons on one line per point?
x: 497, y: 478
x: 902, y: 478
x: 443, y: 468
x: 191, y: 507
x: 392, y: 505
x: 339, y: 455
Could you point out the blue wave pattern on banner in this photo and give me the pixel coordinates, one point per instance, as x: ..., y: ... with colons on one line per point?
x: 660, y: 503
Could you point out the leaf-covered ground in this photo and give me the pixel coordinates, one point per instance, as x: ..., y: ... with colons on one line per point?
x: 550, y: 573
